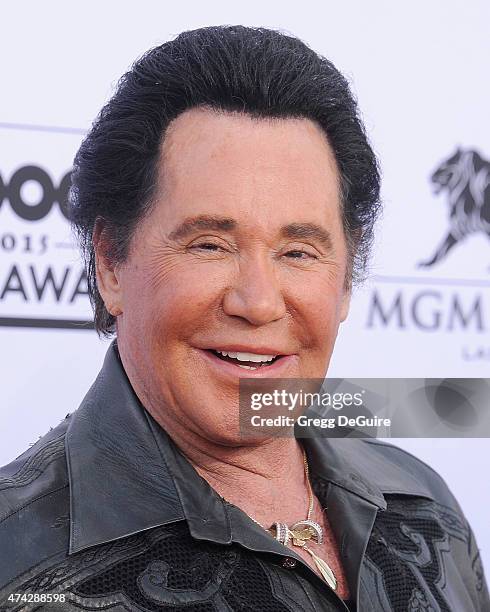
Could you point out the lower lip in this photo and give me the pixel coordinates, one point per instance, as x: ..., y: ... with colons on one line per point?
x: 281, y: 367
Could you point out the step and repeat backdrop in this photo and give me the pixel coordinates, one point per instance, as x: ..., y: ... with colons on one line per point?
x: 420, y: 72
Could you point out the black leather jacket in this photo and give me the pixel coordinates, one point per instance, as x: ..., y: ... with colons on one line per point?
x: 105, y: 513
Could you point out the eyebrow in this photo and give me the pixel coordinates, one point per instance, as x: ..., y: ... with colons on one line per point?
x: 227, y: 224
x: 202, y: 222
x: 308, y: 230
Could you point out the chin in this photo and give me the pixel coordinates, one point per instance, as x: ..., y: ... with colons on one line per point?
x: 243, y: 441
x: 232, y: 436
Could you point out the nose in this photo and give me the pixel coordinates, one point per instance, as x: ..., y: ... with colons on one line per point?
x: 256, y: 294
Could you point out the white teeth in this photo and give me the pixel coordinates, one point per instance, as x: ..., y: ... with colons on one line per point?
x: 246, y: 367
x: 247, y: 356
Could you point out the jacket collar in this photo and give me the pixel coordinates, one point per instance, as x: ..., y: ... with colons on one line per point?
x: 126, y: 475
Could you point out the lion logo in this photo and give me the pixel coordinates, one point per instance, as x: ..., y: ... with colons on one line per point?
x: 466, y: 178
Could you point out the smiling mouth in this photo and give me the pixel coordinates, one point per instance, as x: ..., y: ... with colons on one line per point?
x: 247, y: 361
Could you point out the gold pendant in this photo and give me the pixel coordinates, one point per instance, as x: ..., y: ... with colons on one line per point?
x: 300, y: 536
x: 307, y: 530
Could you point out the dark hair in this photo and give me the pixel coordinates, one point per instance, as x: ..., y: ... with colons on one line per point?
x: 257, y: 71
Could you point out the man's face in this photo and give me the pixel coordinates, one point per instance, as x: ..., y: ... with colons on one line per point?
x: 243, y: 252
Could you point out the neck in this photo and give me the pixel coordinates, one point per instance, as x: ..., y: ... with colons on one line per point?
x: 266, y: 481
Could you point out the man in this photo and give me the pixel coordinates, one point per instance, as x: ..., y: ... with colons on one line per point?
x: 224, y: 200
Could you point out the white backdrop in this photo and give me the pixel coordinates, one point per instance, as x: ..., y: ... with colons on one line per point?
x: 420, y: 71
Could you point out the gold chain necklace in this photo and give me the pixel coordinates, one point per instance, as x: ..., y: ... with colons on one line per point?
x: 302, y: 532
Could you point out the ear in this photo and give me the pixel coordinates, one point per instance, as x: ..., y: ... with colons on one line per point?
x: 108, y: 282
x: 345, y: 305
x: 353, y: 242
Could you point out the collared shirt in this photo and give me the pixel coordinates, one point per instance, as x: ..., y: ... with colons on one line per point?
x: 104, y: 512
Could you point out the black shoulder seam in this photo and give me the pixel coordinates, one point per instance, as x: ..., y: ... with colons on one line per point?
x: 31, y: 501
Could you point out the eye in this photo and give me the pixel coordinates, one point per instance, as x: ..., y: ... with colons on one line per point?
x: 206, y: 246
x: 298, y: 254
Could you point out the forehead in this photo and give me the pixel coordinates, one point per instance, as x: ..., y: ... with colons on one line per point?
x: 211, y: 150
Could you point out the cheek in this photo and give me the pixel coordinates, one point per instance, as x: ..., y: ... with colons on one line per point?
x: 318, y: 305
x: 171, y: 300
